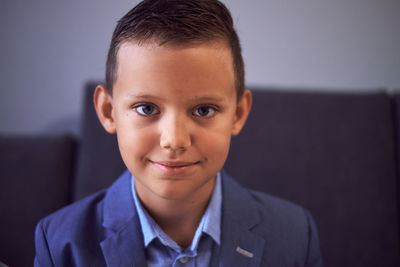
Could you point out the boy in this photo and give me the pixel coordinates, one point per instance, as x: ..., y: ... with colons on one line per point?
x: 174, y: 96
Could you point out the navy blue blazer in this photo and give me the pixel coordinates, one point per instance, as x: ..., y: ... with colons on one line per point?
x: 104, y: 230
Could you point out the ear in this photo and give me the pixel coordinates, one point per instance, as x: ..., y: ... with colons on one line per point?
x: 242, y: 112
x: 104, y: 108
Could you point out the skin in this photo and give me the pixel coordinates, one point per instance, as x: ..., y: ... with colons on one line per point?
x: 174, y: 110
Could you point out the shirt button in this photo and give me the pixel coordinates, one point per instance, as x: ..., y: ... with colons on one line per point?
x: 184, y: 259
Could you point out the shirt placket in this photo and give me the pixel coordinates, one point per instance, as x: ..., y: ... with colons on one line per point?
x: 185, y: 259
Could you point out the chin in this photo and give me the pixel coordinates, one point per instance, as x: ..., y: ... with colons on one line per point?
x: 173, y: 193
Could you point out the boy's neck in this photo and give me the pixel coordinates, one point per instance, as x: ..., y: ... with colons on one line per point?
x: 179, y: 219
x: 180, y: 227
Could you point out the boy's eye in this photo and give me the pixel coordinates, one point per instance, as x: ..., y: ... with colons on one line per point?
x: 146, y: 109
x: 204, y: 111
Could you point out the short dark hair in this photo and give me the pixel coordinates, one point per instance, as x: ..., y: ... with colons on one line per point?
x: 177, y: 22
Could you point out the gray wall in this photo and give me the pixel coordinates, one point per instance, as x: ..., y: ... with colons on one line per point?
x: 49, y: 49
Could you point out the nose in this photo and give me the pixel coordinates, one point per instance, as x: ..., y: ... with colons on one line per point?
x: 175, y: 133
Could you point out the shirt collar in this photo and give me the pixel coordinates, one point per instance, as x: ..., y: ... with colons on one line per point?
x: 209, y: 224
x: 144, y: 218
x: 212, y: 216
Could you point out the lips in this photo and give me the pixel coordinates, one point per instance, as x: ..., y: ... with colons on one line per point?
x: 174, y: 166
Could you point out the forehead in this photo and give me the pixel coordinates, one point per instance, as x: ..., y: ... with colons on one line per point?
x: 202, y: 67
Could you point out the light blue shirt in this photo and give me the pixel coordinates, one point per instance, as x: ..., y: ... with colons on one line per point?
x: 161, y: 250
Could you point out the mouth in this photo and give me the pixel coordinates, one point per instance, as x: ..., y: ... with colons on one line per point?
x: 174, y: 166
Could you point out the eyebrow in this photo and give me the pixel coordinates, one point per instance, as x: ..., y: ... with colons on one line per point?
x: 144, y: 96
x: 196, y: 98
x: 208, y: 98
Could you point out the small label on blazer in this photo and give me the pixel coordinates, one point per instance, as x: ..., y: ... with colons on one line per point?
x: 244, y: 252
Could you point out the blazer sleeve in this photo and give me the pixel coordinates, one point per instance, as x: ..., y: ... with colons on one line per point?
x: 314, y: 257
x: 42, y: 257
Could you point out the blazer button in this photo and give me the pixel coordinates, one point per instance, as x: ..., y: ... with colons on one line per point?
x: 184, y: 260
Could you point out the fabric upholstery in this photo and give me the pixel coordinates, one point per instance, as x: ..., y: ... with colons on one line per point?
x: 334, y: 154
x: 395, y: 97
x: 36, y: 174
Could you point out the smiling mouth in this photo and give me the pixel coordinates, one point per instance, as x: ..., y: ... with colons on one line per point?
x: 173, y: 166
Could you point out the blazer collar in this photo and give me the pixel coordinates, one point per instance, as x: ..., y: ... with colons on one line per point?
x: 239, y: 245
x: 123, y: 243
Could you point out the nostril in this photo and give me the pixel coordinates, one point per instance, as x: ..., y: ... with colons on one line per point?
x: 174, y: 145
x: 175, y: 142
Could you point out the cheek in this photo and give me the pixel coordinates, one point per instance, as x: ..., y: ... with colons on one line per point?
x: 134, y: 144
x: 215, y: 144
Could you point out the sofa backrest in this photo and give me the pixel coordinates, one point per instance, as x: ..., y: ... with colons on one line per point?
x: 36, y: 174
x: 395, y: 97
x: 333, y: 153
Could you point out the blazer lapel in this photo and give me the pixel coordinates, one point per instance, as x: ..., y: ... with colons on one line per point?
x: 239, y: 245
x: 124, y: 248
x: 123, y: 244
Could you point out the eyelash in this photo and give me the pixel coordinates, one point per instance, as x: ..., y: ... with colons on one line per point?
x: 210, y: 107
x: 155, y: 110
x: 141, y: 105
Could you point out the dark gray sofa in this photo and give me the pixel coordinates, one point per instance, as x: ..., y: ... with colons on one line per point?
x: 334, y: 153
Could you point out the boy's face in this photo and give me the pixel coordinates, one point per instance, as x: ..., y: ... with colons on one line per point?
x: 174, y: 110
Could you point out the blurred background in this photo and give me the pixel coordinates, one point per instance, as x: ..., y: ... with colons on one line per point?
x: 50, y: 49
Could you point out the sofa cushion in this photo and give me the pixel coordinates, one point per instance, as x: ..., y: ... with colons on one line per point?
x: 334, y: 154
x: 396, y: 113
x: 36, y: 175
